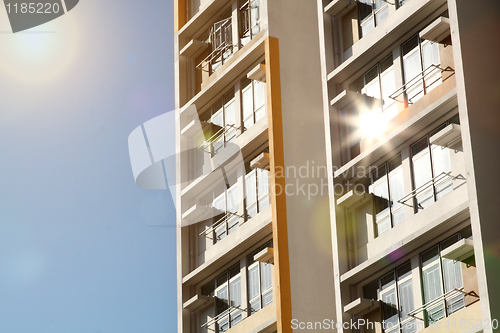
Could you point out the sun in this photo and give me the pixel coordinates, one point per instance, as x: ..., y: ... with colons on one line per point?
x: 39, y: 54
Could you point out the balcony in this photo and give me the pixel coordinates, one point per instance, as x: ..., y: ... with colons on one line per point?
x: 250, y: 55
x: 429, y: 192
x: 223, y: 252
x: 421, y: 84
x: 449, y: 298
x: 411, y: 17
x: 226, y: 319
x: 206, y: 12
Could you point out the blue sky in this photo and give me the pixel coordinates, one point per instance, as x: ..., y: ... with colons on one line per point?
x: 80, y: 250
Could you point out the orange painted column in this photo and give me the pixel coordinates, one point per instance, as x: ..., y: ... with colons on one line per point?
x: 277, y: 186
x: 180, y: 14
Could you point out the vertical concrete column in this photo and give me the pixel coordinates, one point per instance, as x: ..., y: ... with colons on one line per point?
x: 235, y: 21
x: 476, y: 48
x: 416, y: 277
x: 407, y: 182
x: 239, y: 107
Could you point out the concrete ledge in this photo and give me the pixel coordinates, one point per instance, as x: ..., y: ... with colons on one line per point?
x: 205, y: 14
x: 428, y: 115
x: 240, y: 63
x: 403, y: 23
x: 237, y: 242
x: 441, y: 216
x: 263, y: 321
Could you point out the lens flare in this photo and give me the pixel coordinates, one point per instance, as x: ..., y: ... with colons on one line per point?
x: 39, y: 54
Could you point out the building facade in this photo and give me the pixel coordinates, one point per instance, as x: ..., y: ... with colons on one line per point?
x: 411, y: 197
x: 254, y: 249
x: 334, y: 162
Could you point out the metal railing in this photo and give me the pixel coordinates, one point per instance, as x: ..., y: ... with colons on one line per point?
x: 208, y: 232
x: 207, y: 144
x: 442, y: 177
x: 228, y: 312
x: 419, y: 78
x: 435, y: 302
x: 221, y: 40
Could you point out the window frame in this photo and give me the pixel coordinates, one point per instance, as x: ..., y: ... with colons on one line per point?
x: 399, y: 324
x: 443, y: 305
x: 262, y: 294
x: 429, y: 150
x: 385, y: 179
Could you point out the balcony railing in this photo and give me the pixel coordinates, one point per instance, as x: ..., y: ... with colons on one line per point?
x: 436, y: 302
x: 226, y: 218
x: 428, y: 77
x: 217, y: 136
x: 428, y: 186
x: 222, y: 46
x: 210, y: 325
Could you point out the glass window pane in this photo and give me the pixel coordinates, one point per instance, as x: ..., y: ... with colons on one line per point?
x: 410, y: 326
x: 251, y: 188
x: 232, y: 199
x: 430, y: 56
x: 371, y: 290
x: 432, y: 283
x: 365, y: 9
x: 382, y: 14
x: 260, y: 94
x: 222, y: 299
x: 441, y: 164
x: 390, y: 308
x: 235, y: 292
x: 412, y: 76
x: 253, y: 281
x: 230, y: 113
x: 383, y: 225
x: 367, y: 25
x: 406, y: 298
x: 452, y: 274
x: 247, y: 103
x: 254, y: 16
x: 396, y: 183
x: 430, y: 256
x: 266, y: 276
x: 255, y: 305
x: 267, y: 298
x: 381, y: 199
x: 422, y: 175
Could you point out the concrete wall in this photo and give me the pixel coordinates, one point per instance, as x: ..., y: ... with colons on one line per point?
x: 295, y: 25
x: 476, y: 63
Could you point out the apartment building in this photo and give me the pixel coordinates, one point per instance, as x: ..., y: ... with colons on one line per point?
x: 408, y: 93
x: 254, y: 249
x: 335, y: 164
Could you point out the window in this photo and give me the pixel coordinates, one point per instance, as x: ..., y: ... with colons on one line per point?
x: 420, y: 67
x: 371, y: 14
x: 431, y: 170
x: 221, y: 38
x: 226, y: 289
x: 222, y: 115
x: 387, y: 188
x: 249, y: 20
x: 440, y: 276
x: 224, y: 200
x: 378, y: 82
x: 260, y: 282
x: 256, y: 190
x: 395, y: 291
x: 253, y: 96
